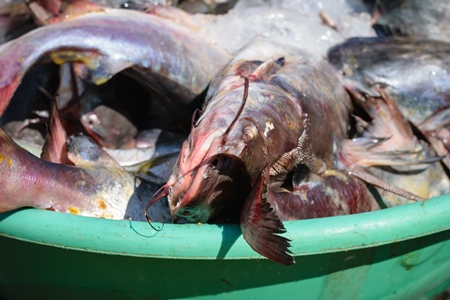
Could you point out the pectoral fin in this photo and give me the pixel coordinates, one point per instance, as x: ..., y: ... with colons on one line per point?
x: 387, y: 140
x: 260, y: 225
x: 55, y: 147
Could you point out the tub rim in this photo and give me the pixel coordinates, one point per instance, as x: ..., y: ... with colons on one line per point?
x: 211, y: 241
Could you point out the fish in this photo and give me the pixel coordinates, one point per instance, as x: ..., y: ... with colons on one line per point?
x: 268, y: 144
x: 83, y: 168
x: 30, y: 181
x: 99, y: 186
x: 409, y: 162
x: 146, y: 53
x: 272, y: 109
x: 414, y: 75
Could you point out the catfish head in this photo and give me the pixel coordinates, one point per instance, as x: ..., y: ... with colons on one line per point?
x: 218, y: 163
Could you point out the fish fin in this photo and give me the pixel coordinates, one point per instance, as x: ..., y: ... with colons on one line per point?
x: 389, y: 139
x: 386, y: 118
x: 260, y: 225
x: 436, y: 121
x: 398, y: 146
x: 375, y: 181
x: 361, y: 152
x: 436, y: 130
x: 55, y: 147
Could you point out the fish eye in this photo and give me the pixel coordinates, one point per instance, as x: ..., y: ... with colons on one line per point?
x: 220, y: 162
x: 92, y: 119
x: 249, y: 133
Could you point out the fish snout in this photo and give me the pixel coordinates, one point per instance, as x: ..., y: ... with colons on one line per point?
x: 193, y: 214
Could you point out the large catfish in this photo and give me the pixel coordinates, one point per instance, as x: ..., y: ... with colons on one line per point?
x: 267, y: 137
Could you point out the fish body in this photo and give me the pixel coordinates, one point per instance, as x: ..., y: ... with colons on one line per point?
x: 415, y: 18
x: 159, y: 54
x: 271, y: 110
x: 399, y: 81
x: 279, y: 110
x: 100, y: 189
x: 266, y: 147
x: 414, y: 71
x: 96, y: 186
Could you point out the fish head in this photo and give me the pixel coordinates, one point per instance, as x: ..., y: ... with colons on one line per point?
x: 217, y: 166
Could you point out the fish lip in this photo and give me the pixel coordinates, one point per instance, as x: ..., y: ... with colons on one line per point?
x: 196, y: 203
x: 205, y: 195
x: 193, y: 214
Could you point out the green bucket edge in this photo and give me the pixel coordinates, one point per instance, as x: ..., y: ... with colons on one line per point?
x: 211, y: 241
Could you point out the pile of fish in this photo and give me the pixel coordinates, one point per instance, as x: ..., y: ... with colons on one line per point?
x: 253, y: 115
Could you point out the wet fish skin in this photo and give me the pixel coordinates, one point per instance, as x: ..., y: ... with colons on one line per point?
x: 161, y: 55
x: 415, y: 18
x: 331, y: 193
x: 414, y: 71
x: 260, y: 136
x: 403, y: 159
x: 95, y: 188
x: 269, y: 111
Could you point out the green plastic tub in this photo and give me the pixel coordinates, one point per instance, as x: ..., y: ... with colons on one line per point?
x: 396, y: 253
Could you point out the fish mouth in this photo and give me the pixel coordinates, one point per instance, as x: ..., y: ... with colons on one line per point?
x: 199, y: 203
x: 194, y: 214
x: 215, y: 189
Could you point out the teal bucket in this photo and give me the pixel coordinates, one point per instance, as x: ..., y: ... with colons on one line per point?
x: 396, y: 253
